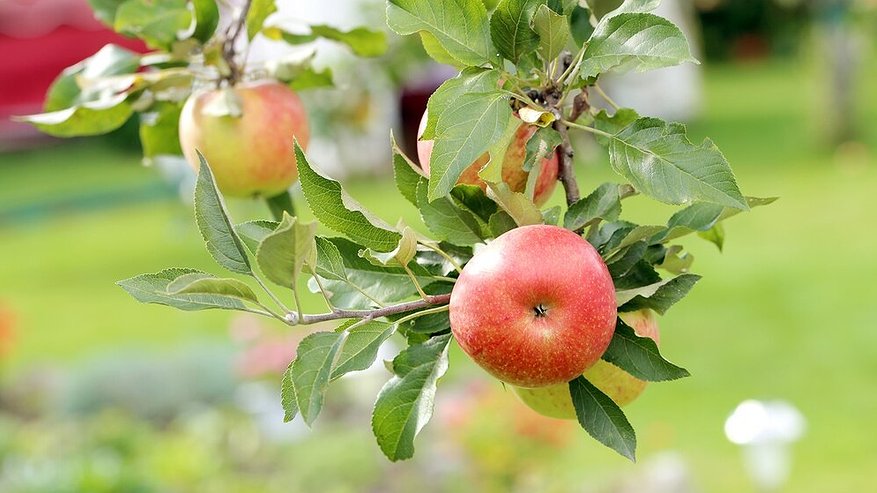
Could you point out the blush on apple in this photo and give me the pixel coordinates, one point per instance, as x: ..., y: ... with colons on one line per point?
x: 554, y: 401
x: 250, y: 154
x: 535, y: 307
x: 513, y: 173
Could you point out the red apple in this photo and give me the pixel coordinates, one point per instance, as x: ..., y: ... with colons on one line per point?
x: 535, y: 307
x: 513, y: 173
x: 622, y: 387
x: 250, y: 154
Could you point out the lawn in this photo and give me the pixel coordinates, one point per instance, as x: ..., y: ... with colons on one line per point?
x: 782, y: 313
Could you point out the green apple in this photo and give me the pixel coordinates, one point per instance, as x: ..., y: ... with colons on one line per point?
x: 622, y: 387
x: 535, y: 307
x: 513, y: 173
x: 246, y: 134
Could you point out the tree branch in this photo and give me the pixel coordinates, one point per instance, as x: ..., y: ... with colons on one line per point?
x: 409, y: 306
x: 565, y: 173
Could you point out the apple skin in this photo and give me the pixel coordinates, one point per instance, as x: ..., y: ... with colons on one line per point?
x: 496, y: 302
x: 251, y: 154
x: 620, y: 386
x: 513, y: 173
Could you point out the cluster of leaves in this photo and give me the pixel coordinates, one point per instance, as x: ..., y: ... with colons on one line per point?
x: 529, y: 60
x: 190, y: 48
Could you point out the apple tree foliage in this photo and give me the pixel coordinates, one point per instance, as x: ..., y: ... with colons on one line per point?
x: 539, y: 61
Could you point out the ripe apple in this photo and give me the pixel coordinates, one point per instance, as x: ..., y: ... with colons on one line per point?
x: 622, y: 387
x: 535, y: 307
x: 513, y: 172
x: 252, y: 153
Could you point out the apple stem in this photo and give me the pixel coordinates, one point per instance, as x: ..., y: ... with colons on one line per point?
x: 429, y: 301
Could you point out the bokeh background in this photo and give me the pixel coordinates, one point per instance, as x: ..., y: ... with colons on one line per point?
x: 101, y: 394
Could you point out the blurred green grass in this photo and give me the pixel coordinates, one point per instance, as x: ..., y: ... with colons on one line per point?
x: 783, y: 313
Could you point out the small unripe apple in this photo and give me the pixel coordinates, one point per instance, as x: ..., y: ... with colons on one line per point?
x: 535, y: 307
x: 513, y: 173
x: 622, y: 387
x: 250, y: 153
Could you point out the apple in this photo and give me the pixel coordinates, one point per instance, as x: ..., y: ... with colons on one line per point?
x: 534, y: 307
x: 513, y: 172
x: 622, y: 387
x: 252, y: 153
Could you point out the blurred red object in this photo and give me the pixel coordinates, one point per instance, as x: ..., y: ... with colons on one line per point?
x: 7, y: 332
x: 39, y: 39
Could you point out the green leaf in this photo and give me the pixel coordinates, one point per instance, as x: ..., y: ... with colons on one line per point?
x: 105, y: 10
x: 211, y: 216
x: 634, y: 41
x: 676, y: 261
x: 703, y: 217
x: 330, y: 264
x: 510, y: 28
x: 405, y: 404
x: 448, y: 220
x: 659, y: 296
x: 626, y: 6
x: 75, y: 84
x: 159, y: 130
x: 156, y: 22
x: 500, y: 223
x: 252, y: 233
x: 640, y: 357
x: 437, y: 52
x: 361, y: 347
x: 406, y: 173
x: 520, y: 207
x: 404, y: 252
x: 91, y: 118
x: 309, y: 78
x: 310, y: 371
x: 602, y: 418
x: 283, y: 253
x: 661, y: 162
x: 328, y: 204
x: 580, y: 25
x: 603, y: 203
x: 206, y: 19
x: 259, y: 11
x: 470, y: 80
x: 364, y: 42
x: 463, y: 132
x: 287, y: 396
x: 540, y: 146
x: 221, y: 287
x: 553, y: 32
x: 153, y: 288
x: 460, y: 26
x: 625, y: 259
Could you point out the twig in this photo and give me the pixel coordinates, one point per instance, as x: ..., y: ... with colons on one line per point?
x: 228, y: 49
x: 606, y: 96
x: 565, y: 172
x: 408, y: 306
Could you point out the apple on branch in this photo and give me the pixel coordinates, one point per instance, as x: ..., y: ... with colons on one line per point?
x: 535, y: 307
x: 246, y: 133
x: 513, y: 173
x: 554, y: 401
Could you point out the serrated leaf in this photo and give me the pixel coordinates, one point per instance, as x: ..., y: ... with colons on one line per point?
x: 460, y: 26
x: 252, y: 233
x: 311, y: 370
x: 405, y: 404
x: 659, y: 296
x: 437, y: 52
x: 470, y: 80
x: 283, y: 253
x: 221, y: 287
x: 259, y: 11
x: 626, y: 6
x: 603, y: 203
x: 448, y: 220
x: 91, y: 118
x: 206, y: 19
x: 330, y: 264
x: 676, y: 261
x: 463, y: 132
x: 638, y: 233
x: 399, y: 256
x: 287, y: 396
x: 634, y: 42
x: 361, y: 347
x: 510, y: 28
x: 211, y: 216
x: 156, y: 22
x: 641, y: 274
x: 541, y: 145
x: 598, y: 414
x: 625, y: 259
x: 640, y: 356
x: 580, y: 25
x: 552, y: 29
x: 501, y: 222
x: 406, y: 173
x: 152, y: 288
x: 661, y: 162
x: 520, y: 207
x: 326, y: 201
